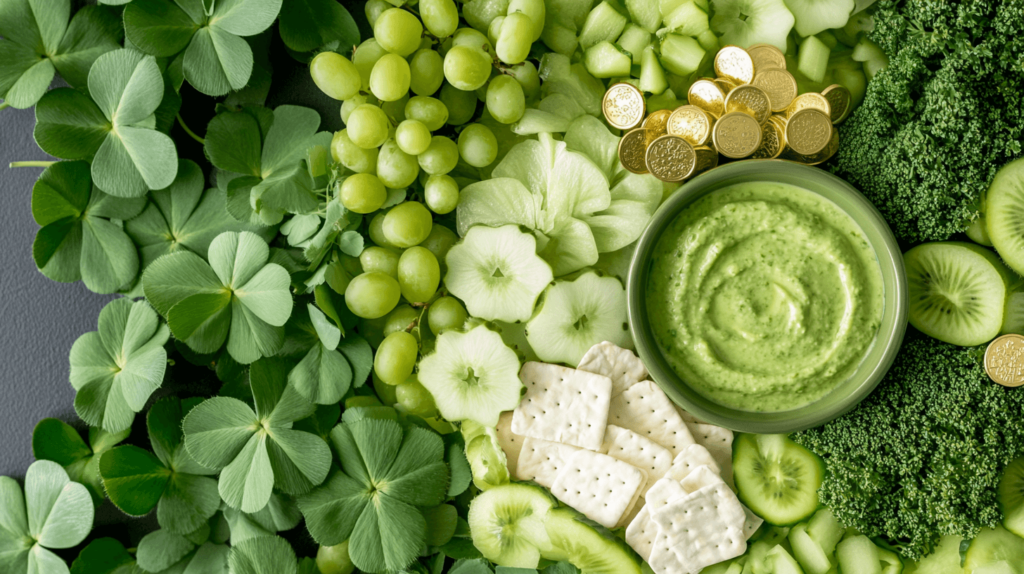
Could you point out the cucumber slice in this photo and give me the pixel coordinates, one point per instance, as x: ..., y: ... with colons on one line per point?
x: 605, y: 60
x: 1004, y: 208
x: 652, y: 77
x: 777, y: 478
x: 858, y: 555
x: 507, y: 524
x: 807, y: 552
x: 1001, y: 567
x: 813, y: 59
x: 992, y: 546
x: 945, y: 559
x: 782, y: 562
x: 1011, y: 496
x: 604, y: 23
x: 824, y: 529
x: 587, y: 546
x: 891, y: 563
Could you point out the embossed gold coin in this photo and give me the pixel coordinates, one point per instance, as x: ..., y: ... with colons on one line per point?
x: 692, y: 124
x: 656, y: 124
x: 735, y: 64
x: 737, y: 135
x: 708, y: 96
x: 624, y: 106
x: 772, y: 142
x: 750, y: 100
x: 840, y: 102
x: 726, y: 85
x: 1004, y: 360
x: 707, y: 158
x: 820, y: 157
x: 780, y: 86
x: 810, y: 100
x: 808, y: 131
x: 671, y: 158
x: 766, y: 56
x: 633, y: 150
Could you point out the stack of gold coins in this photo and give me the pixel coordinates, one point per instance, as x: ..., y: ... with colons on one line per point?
x: 751, y: 110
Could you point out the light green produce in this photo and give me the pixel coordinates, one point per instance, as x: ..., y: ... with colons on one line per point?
x: 335, y: 75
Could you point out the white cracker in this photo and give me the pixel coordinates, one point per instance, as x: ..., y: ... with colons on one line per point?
x: 628, y: 446
x: 563, y: 405
x: 709, y: 435
x: 701, y: 477
x: 752, y: 522
x: 510, y: 442
x: 698, y: 530
x: 620, y: 365
x: 634, y: 510
x: 599, y: 486
x: 689, y: 459
x: 641, y: 533
x: 723, y: 458
x: 644, y: 409
x: 662, y: 492
x: 540, y: 460
x: 688, y: 416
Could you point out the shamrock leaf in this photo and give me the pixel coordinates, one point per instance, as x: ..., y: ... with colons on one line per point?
x: 281, y: 513
x: 53, y: 512
x: 114, y: 125
x: 163, y: 552
x: 56, y: 440
x: 168, y: 479
x: 330, y: 364
x: 263, y: 555
x: 81, y: 238
x: 374, y: 502
x: 257, y: 449
x: 309, y: 24
x: 38, y: 40
x: 237, y: 296
x: 216, y: 58
x: 104, y: 556
x: 116, y: 369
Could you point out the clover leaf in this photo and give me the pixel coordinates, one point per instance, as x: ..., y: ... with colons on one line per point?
x: 387, y: 474
x: 309, y: 24
x: 167, y: 478
x: 164, y: 552
x: 331, y: 363
x: 237, y: 296
x: 114, y: 125
x: 81, y: 239
x: 256, y: 450
x: 38, y: 40
x: 116, y: 369
x: 280, y: 514
x: 52, y: 512
x: 55, y: 440
x: 104, y: 556
x: 216, y: 58
x: 263, y: 555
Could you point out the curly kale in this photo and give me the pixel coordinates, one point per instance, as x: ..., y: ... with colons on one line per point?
x: 921, y: 457
x: 943, y: 117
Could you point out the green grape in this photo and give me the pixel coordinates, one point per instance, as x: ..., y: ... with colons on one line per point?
x: 527, y: 76
x: 375, y: 8
x: 390, y: 77
x: 474, y: 39
x: 427, y: 68
x: 368, y: 126
x: 353, y: 157
x: 375, y: 259
x: 506, y: 101
x: 477, y: 146
x: 494, y: 29
x: 413, y: 137
x: 515, y: 38
x: 395, y: 111
x: 363, y: 193
x: 415, y: 399
x: 407, y: 224
x: 372, y: 295
x: 441, y: 157
x: 430, y: 111
x: 335, y: 75
x: 441, y: 193
x: 461, y: 104
x: 387, y: 393
x: 396, y: 168
x: 535, y: 10
x: 418, y: 274
x: 446, y: 314
x: 354, y: 102
x: 401, y: 319
x: 398, y: 31
x: 365, y: 57
x: 440, y: 240
x: 441, y: 17
x: 335, y: 559
x: 467, y: 68
x: 395, y: 358
x: 376, y: 230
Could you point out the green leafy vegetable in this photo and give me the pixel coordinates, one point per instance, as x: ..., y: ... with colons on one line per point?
x: 104, y: 556
x: 264, y: 555
x: 309, y: 24
x: 116, y: 369
x: 280, y: 514
x: 164, y: 552
x: 328, y: 365
x: 56, y: 440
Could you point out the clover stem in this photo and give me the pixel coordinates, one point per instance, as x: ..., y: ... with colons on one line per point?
x: 14, y: 164
x: 191, y: 133
x: 4, y: 105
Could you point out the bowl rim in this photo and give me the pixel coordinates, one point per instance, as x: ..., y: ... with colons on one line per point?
x: 891, y: 329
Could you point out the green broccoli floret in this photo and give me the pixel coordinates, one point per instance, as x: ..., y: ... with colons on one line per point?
x: 943, y: 117
x: 921, y: 457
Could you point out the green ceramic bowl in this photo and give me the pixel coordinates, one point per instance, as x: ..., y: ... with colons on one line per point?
x: 879, y: 356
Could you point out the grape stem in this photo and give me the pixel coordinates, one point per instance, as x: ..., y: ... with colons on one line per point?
x: 191, y: 133
x: 31, y: 164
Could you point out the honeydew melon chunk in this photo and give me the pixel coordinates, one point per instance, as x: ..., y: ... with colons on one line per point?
x: 652, y: 77
x: 688, y: 19
x: 858, y: 555
x: 646, y: 13
x: 991, y: 546
x: 605, y: 60
x: 945, y: 559
x: 681, y: 55
x: 824, y: 529
x: 813, y: 60
x: 807, y: 552
x: 559, y: 38
x: 782, y: 562
x: 603, y: 23
x: 633, y: 40
x: 891, y: 563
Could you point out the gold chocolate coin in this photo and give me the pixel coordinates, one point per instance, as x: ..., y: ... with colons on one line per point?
x: 726, y: 85
x: 780, y: 86
x: 839, y: 101
x: 810, y: 100
x: 808, y: 131
x: 772, y: 142
x: 692, y: 124
x: 766, y: 56
x: 671, y: 158
x: 820, y: 157
x: 633, y: 150
x: 737, y: 135
x: 750, y: 100
x: 1004, y: 360
x: 708, y: 96
x: 623, y: 106
x: 656, y: 124
x: 707, y: 158
x: 734, y: 64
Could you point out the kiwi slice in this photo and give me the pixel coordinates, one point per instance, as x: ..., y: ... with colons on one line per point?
x: 1013, y: 315
x: 1004, y: 210
x: 507, y: 524
x: 777, y: 478
x: 1011, y: 496
x: 957, y: 292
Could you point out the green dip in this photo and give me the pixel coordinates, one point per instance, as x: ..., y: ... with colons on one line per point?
x: 764, y: 296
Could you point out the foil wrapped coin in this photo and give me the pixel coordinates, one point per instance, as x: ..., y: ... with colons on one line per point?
x: 671, y: 158
x: 737, y: 135
x: 692, y: 124
x: 780, y: 86
x: 810, y: 100
x: 633, y: 150
x: 708, y: 96
x: 840, y: 102
x: 624, y: 106
x: 772, y: 142
x: 750, y: 100
x: 1004, y: 360
x: 815, y: 159
x: 766, y: 56
x: 809, y: 131
x: 656, y: 124
x: 734, y: 64
x: 707, y: 158
x: 726, y: 85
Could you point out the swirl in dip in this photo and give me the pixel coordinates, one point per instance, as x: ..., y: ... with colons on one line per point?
x: 764, y: 296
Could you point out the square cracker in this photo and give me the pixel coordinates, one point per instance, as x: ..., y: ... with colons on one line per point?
x: 599, y: 486
x: 711, y: 435
x: 641, y: 533
x: 510, y: 442
x: 752, y: 523
x: 620, y: 365
x: 690, y: 459
x: 628, y: 446
x: 698, y: 530
x: 540, y: 460
x: 662, y: 492
x: 563, y: 405
x: 701, y: 477
x: 723, y: 458
x: 645, y: 410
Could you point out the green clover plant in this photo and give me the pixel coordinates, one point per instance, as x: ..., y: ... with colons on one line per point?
x: 306, y: 25
x: 104, y: 556
x: 164, y: 552
x: 55, y: 440
x: 263, y: 555
x: 281, y: 513
x: 331, y: 362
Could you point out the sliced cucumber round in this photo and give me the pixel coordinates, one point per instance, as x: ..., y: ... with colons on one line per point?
x: 1011, y: 496
x: 777, y: 478
x: 1004, y: 210
x: 991, y: 547
x: 507, y: 524
x: 588, y: 546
